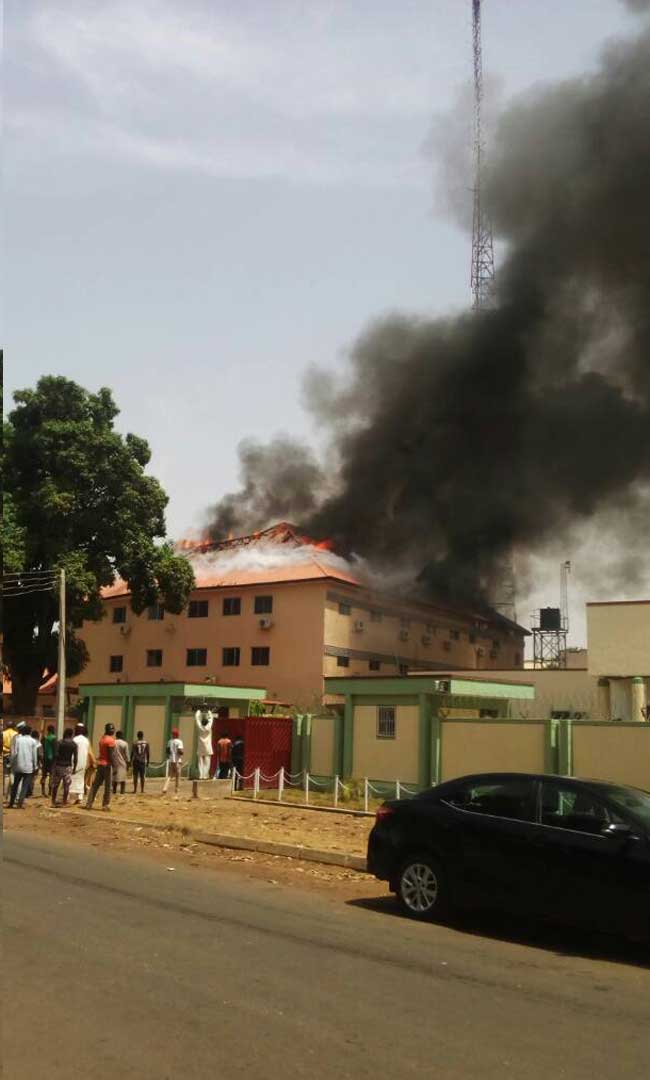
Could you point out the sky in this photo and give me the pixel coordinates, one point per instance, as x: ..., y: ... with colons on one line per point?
x: 205, y: 197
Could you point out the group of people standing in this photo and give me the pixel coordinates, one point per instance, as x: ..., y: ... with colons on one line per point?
x: 69, y: 764
x: 62, y: 763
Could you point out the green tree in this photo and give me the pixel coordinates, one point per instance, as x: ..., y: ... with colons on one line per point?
x: 77, y: 497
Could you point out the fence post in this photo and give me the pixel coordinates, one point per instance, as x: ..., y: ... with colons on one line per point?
x: 256, y: 782
x: 398, y: 790
x: 281, y: 784
x: 306, y: 787
x: 365, y: 793
x: 336, y: 791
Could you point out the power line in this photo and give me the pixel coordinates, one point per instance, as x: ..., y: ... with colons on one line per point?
x: 27, y: 591
x: 19, y: 574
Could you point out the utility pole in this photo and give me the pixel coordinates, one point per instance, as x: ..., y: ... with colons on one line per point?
x: 60, y: 712
x: 482, y: 272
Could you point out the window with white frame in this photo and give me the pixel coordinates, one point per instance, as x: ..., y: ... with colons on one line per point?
x: 385, y: 721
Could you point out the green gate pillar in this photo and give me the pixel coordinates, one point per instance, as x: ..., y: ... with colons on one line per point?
x: 296, y: 752
x: 435, y: 771
x: 552, y: 746
x: 348, y: 736
x: 565, y: 748
x: 90, y: 718
x: 425, y: 703
x: 337, y: 748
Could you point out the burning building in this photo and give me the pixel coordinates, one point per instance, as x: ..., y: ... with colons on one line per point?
x: 278, y: 610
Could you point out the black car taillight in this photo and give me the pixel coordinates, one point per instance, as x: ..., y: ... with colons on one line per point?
x: 383, y: 813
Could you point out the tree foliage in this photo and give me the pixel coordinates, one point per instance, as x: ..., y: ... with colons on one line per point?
x: 77, y: 497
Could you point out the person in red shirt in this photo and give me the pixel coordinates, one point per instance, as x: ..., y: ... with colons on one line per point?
x: 224, y: 747
x: 104, y: 773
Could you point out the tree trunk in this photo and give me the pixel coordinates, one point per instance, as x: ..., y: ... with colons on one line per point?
x: 24, y: 691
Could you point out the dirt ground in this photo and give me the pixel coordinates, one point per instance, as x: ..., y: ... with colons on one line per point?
x: 311, y: 828
x: 330, y: 832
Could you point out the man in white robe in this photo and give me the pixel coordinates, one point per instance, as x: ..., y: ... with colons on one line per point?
x: 204, y: 721
x: 85, y: 758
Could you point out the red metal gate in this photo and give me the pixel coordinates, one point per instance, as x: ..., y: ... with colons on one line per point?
x: 267, y: 743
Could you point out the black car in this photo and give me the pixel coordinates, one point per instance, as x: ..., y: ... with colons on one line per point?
x: 575, y: 851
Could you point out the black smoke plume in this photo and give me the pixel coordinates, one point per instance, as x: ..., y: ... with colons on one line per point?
x: 460, y: 439
x: 280, y: 482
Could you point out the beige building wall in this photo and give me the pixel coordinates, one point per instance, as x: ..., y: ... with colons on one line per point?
x: 150, y: 719
x: 295, y: 640
x: 105, y: 713
x: 491, y: 747
x: 404, y: 633
x: 386, y: 759
x: 307, y: 624
x: 619, y: 754
x: 322, y: 745
x: 619, y: 638
x: 556, y: 690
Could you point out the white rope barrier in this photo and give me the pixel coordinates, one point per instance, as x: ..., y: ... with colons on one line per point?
x: 305, y: 781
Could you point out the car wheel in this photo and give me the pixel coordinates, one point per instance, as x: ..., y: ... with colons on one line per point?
x: 421, y: 887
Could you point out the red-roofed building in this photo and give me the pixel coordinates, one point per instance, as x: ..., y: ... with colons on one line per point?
x: 279, y: 611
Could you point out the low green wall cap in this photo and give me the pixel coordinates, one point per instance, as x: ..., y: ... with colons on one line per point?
x: 209, y: 691
x: 408, y: 685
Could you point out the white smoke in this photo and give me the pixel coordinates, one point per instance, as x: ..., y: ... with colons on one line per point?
x: 266, y: 555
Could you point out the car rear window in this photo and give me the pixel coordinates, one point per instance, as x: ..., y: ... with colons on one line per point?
x: 512, y: 799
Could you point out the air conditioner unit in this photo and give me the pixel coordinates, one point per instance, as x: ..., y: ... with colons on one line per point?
x: 403, y: 635
x: 359, y: 625
x: 125, y: 630
x: 426, y: 639
x: 266, y: 623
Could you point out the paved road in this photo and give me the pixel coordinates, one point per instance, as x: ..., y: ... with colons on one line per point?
x: 125, y: 969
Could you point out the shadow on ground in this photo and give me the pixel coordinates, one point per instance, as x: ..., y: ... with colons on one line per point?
x: 561, y: 940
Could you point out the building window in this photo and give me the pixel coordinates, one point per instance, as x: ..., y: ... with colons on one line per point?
x: 230, y: 657
x: 343, y: 661
x: 197, y: 657
x: 454, y: 635
x: 260, y: 656
x: 403, y: 669
x: 232, y: 605
x: 376, y: 616
x: 345, y: 609
x: 119, y: 614
x: 198, y: 609
x: 116, y: 663
x: 385, y: 721
x: 156, y: 612
x: 263, y: 605
x: 374, y: 665
x: 154, y: 657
